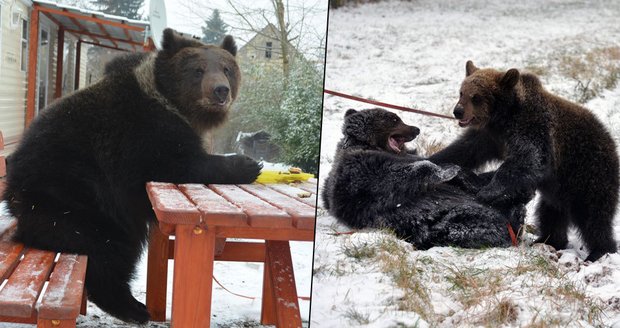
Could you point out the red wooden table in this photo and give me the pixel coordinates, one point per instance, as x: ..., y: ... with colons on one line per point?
x: 201, y: 218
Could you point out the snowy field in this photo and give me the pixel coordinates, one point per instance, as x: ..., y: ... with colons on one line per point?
x: 413, y: 54
x: 227, y: 310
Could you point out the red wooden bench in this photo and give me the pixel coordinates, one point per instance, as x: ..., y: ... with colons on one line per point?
x: 38, y: 287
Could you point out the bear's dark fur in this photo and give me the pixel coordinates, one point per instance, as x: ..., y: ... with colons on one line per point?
x: 376, y: 183
x: 548, y: 144
x: 76, y: 183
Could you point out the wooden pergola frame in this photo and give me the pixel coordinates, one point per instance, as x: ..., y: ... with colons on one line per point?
x: 79, y: 33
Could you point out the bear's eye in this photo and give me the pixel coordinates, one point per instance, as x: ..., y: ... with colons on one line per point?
x: 198, y: 72
x: 460, y: 94
x: 227, y: 71
x: 476, y: 99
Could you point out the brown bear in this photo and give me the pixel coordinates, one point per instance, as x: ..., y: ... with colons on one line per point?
x: 76, y: 182
x: 547, y: 144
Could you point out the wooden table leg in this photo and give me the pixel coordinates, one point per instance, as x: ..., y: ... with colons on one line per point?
x: 194, y: 253
x: 268, y: 309
x: 283, y: 286
x: 157, y: 274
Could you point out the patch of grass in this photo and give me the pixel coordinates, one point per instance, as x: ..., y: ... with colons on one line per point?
x: 359, y: 251
x: 472, y: 285
x: 357, y: 317
x: 537, y: 263
x: 503, y: 313
x: 593, y: 71
x: 407, y: 275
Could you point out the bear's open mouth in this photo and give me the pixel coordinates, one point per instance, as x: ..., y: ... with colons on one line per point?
x: 397, y: 142
x: 466, y: 121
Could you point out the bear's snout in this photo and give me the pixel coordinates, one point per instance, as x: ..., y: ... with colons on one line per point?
x: 459, y: 111
x: 221, y: 93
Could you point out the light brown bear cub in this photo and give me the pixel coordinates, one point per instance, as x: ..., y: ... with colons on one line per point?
x: 547, y: 144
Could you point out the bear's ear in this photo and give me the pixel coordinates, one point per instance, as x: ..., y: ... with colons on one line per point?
x: 170, y: 40
x: 229, y: 45
x: 510, y: 79
x: 173, y: 42
x: 470, y: 68
x: 349, y: 112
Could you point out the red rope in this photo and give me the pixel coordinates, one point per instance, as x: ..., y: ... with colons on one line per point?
x: 513, y: 237
x: 303, y: 298
x: 382, y: 104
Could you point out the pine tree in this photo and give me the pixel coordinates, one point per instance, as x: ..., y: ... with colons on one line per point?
x: 125, y: 8
x: 215, y: 30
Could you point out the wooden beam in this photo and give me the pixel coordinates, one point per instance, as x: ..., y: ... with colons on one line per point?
x: 129, y: 38
x: 53, y: 19
x: 33, y: 49
x: 94, y: 35
x: 88, y: 18
x: 60, y: 53
x: 105, y: 32
x: 78, y: 55
x: 104, y: 46
x: 81, y: 28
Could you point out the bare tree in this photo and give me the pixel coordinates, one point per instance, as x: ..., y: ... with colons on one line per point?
x: 288, y: 16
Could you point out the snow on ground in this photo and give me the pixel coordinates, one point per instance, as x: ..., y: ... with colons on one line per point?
x: 227, y: 310
x: 413, y: 54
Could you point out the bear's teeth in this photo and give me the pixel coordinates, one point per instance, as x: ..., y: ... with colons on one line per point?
x: 393, y: 143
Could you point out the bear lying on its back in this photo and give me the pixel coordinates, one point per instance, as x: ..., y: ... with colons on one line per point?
x: 76, y: 183
x: 375, y: 183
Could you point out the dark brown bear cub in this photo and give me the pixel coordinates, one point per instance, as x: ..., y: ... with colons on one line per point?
x: 76, y: 183
x: 548, y: 144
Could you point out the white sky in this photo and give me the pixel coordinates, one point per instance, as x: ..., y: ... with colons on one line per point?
x: 188, y: 16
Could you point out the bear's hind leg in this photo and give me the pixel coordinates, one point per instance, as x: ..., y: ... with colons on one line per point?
x: 595, y: 223
x: 108, y: 279
x: 552, y: 225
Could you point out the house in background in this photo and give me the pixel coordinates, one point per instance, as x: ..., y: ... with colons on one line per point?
x: 265, y: 47
x: 43, y: 44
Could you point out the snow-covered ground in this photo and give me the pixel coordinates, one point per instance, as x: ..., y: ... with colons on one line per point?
x: 413, y: 53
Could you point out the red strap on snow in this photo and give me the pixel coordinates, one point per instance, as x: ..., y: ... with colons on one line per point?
x: 303, y: 298
x: 382, y: 104
x: 338, y: 233
x: 513, y: 236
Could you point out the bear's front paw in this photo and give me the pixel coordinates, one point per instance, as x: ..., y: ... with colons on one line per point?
x: 431, y: 173
x: 492, y: 195
x: 244, y: 169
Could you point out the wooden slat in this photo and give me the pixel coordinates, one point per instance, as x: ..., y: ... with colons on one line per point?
x: 63, y: 296
x: 171, y: 205
x: 214, y: 208
x: 259, y: 212
x: 193, y: 269
x: 157, y: 278
x: 31, y: 320
x: 10, y: 252
x: 303, y: 215
x: 242, y: 252
x: 295, y: 193
x: 265, y: 233
x: 20, y: 294
x: 283, y: 286
x: 49, y: 323
x: 307, y: 186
